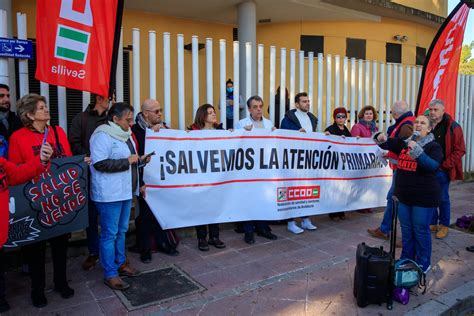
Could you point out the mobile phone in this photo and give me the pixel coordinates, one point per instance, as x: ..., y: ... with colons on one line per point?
x: 45, y: 137
x: 149, y: 155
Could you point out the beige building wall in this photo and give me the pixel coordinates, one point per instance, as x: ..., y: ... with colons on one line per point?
x: 437, y: 7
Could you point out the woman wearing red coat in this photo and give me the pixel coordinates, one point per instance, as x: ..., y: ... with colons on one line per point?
x: 25, y: 144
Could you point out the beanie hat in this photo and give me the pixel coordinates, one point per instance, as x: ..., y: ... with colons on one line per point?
x: 339, y: 110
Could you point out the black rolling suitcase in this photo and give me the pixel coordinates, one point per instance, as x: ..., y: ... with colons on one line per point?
x: 373, y: 274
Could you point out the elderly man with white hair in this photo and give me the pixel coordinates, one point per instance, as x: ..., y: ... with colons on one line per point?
x: 403, y: 128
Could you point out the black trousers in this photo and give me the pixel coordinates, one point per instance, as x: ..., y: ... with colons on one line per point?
x: 201, y: 231
x: 259, y: 226
x: 35, y: 256
x: 147, y: 226
x: 2, y: 274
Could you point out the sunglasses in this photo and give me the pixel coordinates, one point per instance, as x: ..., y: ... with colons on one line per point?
x: 3, y: 95
x: 340, y: 116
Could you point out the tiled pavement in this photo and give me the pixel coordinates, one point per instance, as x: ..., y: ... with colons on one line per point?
x: 307, y: 274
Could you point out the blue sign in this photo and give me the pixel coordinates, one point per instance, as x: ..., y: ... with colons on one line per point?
x: 15, y: 48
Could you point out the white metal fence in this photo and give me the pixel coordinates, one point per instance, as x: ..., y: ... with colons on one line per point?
x: 330, y: 81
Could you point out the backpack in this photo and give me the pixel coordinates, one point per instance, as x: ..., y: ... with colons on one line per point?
x: 407, y: 274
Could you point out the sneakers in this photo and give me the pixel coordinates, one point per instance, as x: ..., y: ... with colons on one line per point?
x: 434, y: 228
x: 442, y: 232
x: 90, y: 262
x: 377, y: 233
x: 292, y: 227
x: 306, y: 224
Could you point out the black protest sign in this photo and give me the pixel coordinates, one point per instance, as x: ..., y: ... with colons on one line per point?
x: 51, y: 205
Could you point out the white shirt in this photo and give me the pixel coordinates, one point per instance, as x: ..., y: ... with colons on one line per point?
x: 304, y: 120
x: 249, y: 121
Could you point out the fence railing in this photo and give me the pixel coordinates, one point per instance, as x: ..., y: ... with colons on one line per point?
x: 331, y: 81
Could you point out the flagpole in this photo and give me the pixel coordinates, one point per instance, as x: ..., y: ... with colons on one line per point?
x: 115, y: 51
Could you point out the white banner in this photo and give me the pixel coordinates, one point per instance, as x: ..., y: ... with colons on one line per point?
x: 203, y: 177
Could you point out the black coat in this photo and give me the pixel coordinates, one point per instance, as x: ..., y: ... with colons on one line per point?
x: 14, y: 124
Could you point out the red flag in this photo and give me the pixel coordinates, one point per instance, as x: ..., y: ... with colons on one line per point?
x: 440, y: 71
x: 75, y: 41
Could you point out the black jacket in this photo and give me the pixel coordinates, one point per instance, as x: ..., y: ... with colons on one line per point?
x: 290, y: 121
x: 14, y: 124
x: 82, y: 127
x: 335, y: 130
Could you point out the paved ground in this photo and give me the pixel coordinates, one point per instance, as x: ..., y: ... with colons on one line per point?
x: 308, y: 274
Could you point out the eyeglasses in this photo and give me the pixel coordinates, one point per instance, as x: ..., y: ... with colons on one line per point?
x: 155, y: 111
x: 3, y: 95
x: 340, y: 116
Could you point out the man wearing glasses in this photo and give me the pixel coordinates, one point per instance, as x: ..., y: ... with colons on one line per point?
x: 9, y: 122
x: 147, y: 227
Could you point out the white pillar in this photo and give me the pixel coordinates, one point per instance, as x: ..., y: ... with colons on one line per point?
x: 292, y: 77
x: 320, y: 90
x: 345, y: 83
x: 328, y: 89
x: 136, y: 69
x: 310, y: 80
x: 353, y: 92
x: 166, y: 77
x: 360, y: 86
x: 261, y: 76
x: 337, y: 81
x: 381, y: 95
x: 236, y: 83
x: 152, y: 63
x: 282, y: 83
x: 301, y: 71
x: 248, y: 72
x: 222, y: 85
x: 180, y: 50
x: 22, y: 63
x: 271, y: 88
x: 195, y: 70
x: 388, y: 92
x: 209, y: 81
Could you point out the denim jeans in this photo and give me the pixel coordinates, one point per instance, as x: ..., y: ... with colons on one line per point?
x: 386, y: 225
x: 416, y: 237
x: 442, y: 215
x: 113, y: 217
x: 92, y: 230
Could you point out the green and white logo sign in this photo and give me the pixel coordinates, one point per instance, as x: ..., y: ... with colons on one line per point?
x: 71, y: 44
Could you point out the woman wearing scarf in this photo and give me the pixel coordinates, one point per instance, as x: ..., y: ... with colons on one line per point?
x: 366, y: 125
x: 114, y: 180
x: 417, y: 188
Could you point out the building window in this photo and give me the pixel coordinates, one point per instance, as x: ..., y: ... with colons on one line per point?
x: 312, y: 43
x: 73, y: 97
x: 235, y: 34
x: 393, y: 53
x: 420, y: 55
x: 356, y: 48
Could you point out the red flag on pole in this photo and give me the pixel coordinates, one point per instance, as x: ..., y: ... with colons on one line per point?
x: 77, y: 42
x: 440, y: 71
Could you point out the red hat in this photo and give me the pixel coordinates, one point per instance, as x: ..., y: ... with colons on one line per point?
x: 339, y: 110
